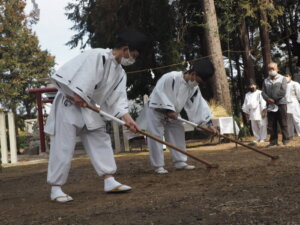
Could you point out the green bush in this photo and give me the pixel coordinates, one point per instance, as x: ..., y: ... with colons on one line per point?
x: 244, y: 132
x: 21, y: 138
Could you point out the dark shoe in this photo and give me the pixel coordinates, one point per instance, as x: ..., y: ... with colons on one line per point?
x: 285, y: 142
x: 271, y: 145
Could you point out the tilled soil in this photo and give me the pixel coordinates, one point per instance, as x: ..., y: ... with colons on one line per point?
x: 245, y: 190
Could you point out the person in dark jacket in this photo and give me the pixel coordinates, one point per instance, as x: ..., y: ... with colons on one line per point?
x: 274, y: 91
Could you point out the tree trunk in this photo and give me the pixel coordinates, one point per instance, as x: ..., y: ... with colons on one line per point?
x: 265, y: 40
x: 288, y: 46
x: 241, y: 87
x: 220, y: 82
x: 249, y: 72
x: 234, y: 90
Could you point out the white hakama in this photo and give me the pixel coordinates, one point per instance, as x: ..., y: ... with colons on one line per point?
x: 293, y: 107
x: 253, y: 105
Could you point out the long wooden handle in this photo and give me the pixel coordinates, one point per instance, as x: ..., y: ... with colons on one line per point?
x: 178, y: 149
x: 208, y: 164
x: 231, y: 139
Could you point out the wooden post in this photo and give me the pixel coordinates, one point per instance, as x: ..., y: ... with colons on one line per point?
x: 125, y: 139
x: 3, y: 140
x: 12, y: 138
x: 38, y: 94
x: 145, y: 99
x: 117, y: 140
x: 41, y: 122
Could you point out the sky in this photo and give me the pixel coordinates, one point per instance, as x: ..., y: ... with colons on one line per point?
x: 53, y: 29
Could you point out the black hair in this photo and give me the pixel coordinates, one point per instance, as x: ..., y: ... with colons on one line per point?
x: 203, y: 68
x: 134, y: 39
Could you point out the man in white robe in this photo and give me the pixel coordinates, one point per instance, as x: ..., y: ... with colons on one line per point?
x: 94, y: 77
x: 173, y: 92
x: 256, y: 108
x: 293, y: 106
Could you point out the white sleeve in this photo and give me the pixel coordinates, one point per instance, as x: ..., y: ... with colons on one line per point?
x: 297, y: 87
x: 163, y: 96
x: 262, y: 102
x: 117, y: 101
x: 80, y: 75
x: 245, y: 107
x: 197, y: 109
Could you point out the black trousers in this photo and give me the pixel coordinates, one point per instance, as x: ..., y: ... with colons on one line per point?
x: 278, y: 117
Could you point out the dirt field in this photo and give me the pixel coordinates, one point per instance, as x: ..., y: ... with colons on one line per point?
x: 245, y: 190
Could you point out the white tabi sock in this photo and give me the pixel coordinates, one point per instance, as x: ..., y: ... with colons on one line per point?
x: 110, y: 183
x: 161, y: 170
x: 58, y: 195
x: 57, y: 191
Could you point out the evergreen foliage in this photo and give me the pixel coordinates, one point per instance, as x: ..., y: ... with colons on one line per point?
x: 23, y: 65
x: 176, y: 31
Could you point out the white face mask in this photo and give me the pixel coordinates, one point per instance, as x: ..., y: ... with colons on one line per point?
x: 193, y: 83
x: 127, y: 61
x: 272, y: 73
x: 288, y: 79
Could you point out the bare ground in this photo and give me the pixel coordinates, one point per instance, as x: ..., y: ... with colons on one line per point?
x: 245, y: 190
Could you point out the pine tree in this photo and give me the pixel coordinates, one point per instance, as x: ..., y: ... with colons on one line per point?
x: 23, y: 65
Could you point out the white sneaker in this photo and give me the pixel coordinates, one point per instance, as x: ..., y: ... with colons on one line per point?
x: 161, y: 170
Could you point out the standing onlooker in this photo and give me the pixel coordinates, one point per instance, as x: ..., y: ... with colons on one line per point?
x: 293, y: 106
x: 256, y: 107
x: 274, y: 90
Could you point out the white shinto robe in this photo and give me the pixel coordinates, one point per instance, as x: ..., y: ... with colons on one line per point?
x: 173, y: 93
x: 86, y: 76
x: 253, y: 105
x: 293, y: 107
x: 98, y: 79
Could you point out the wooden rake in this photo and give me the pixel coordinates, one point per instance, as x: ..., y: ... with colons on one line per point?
x: 273, y: 158
x: 211, y: 167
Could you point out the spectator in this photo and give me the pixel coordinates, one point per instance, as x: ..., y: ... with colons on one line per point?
x: 293, y: 106
x: 256, y: 109
x: 274, y: 91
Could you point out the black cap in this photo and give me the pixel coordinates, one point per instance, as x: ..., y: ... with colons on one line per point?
x: 204, y: 68
x: 132, y: 38
x: 251, y: 82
